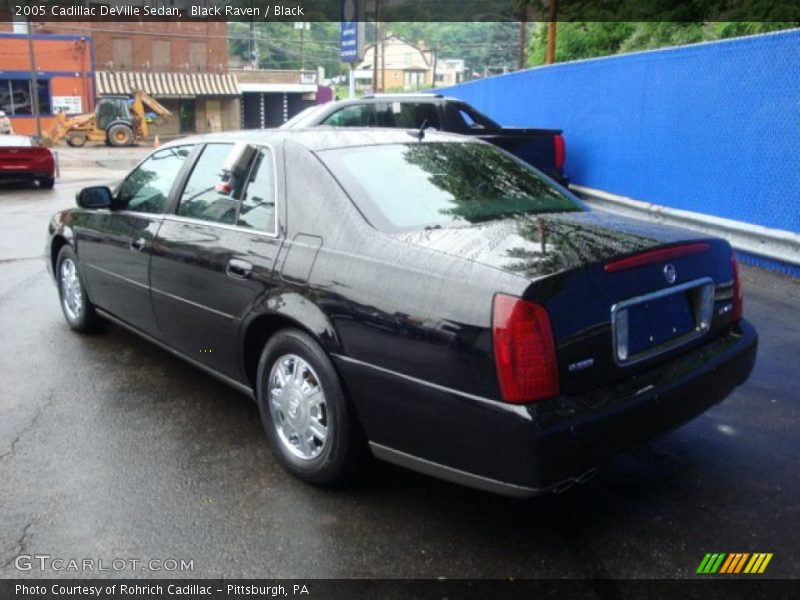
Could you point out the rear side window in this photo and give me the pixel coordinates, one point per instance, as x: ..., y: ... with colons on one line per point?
x: 442, y: 184
x: 147, y: 188
x: 200, y: 198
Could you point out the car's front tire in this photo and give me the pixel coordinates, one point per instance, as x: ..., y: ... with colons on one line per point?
x: 78, y: 310
x: 305, y: 412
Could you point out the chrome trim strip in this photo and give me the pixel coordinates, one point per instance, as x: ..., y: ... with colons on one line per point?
x: 670, y: 344
x: 519, y: 409
x: 240, y: 387
x: 125, y: 279
x: 192, y: 221
x: 195, y: 304
x: 451, y: 474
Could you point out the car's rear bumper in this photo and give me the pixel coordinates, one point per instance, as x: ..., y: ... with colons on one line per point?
x: 23, y: 175
x: 549, y: 445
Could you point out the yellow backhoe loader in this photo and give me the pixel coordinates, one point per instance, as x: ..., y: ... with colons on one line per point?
x: 115, y: 121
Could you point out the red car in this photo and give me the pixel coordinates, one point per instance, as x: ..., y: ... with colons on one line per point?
x: 20, y: 160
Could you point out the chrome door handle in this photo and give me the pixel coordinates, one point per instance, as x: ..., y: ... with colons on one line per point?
x: 138, y: 244
x: 240, y: 269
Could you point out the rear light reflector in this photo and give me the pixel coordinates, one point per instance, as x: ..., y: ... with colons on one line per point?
x: 560, y: 151
x: 524, y: 350
x: 738, y: 296
x: 653, y: 256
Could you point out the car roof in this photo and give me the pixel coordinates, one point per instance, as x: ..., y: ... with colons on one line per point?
x: 325, y: 138
x: 15, y: 140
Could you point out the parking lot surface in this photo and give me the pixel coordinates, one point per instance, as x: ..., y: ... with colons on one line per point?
x: 112, y: 448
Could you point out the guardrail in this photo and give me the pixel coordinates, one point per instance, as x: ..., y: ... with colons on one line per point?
x: 774, y: 244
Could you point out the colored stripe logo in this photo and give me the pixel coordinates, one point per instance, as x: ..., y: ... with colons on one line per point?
x: 734, y: 563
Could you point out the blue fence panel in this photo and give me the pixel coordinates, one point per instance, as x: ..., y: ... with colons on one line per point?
x: 712, y: 128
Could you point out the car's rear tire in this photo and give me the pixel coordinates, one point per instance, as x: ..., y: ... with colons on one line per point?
x: 78, y: 310
x: 47, y: 182
x: 305, y: 413
x: 120, y: 135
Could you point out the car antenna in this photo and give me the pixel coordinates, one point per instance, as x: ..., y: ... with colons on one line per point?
x: 420, y: 133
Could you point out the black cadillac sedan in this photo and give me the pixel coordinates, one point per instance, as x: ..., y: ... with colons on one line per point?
x: 421, y: 297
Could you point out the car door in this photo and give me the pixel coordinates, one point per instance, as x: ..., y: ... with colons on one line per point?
x: 214, y: 257
x: 115, y: 245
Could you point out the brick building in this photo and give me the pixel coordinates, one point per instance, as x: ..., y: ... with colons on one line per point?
x: 182, y: 64
x: 64, y: 78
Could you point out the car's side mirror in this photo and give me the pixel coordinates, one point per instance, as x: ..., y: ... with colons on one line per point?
x: 96, y: 196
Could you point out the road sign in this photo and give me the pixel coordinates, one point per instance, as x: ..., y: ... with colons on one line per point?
x: 351, y: 39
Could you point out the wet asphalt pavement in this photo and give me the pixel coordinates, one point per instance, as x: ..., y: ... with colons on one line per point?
x: 112, y: 448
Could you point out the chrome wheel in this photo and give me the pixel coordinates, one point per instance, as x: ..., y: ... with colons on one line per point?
x: 297, y: 407
x: 71, y: 293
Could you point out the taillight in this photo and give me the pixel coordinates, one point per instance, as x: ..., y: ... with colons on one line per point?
x: 560, y: 151
x: 738, y: 296
x: 524, y: 350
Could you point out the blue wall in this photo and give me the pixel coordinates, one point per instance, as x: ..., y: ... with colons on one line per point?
x: 712, y: 128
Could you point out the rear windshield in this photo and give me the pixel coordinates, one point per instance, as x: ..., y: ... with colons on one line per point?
x: 442, y: 184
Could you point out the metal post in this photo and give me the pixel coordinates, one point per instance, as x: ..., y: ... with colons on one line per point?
x: 33, y: 83
x: 352, y: 82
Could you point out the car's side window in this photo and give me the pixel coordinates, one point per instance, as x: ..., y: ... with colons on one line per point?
x: 258, y: 203
x: 357, y: 115
x: 147, y: 188
x: 413, y: 115
x: 201, y: 198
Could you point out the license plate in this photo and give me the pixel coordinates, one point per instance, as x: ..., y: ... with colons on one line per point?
x: 653, y: 323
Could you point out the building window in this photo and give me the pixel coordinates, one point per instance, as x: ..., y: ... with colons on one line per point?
x: 15, y: 97
x: 197, y: 56
x: 161, y: 55
x: 122, y: 53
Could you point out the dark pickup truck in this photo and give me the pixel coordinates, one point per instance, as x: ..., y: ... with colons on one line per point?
x: 541, y: 148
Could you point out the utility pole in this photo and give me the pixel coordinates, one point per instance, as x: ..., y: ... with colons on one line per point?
x: 435, y: 60
x: 550, y: 56
x: 252, y: 53
x: 377, y: 67
x: 33, y: 83
x: 523, y: 37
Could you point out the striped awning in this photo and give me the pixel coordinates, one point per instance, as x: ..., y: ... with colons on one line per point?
x: 166, y: 85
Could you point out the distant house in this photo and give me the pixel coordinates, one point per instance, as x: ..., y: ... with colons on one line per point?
x: 449, y: 71
x: 405, y: 66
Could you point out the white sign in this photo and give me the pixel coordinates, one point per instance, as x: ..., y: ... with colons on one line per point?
x: 308, y: 78
x: 68, y: 104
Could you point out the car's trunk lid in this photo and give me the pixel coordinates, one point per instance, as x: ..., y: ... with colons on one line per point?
x: 566, y: 255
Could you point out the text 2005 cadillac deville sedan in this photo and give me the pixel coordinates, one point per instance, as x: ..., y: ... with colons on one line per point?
x: 425, y: 297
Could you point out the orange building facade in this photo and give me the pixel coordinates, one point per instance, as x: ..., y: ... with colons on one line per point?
x: 64, y: 78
